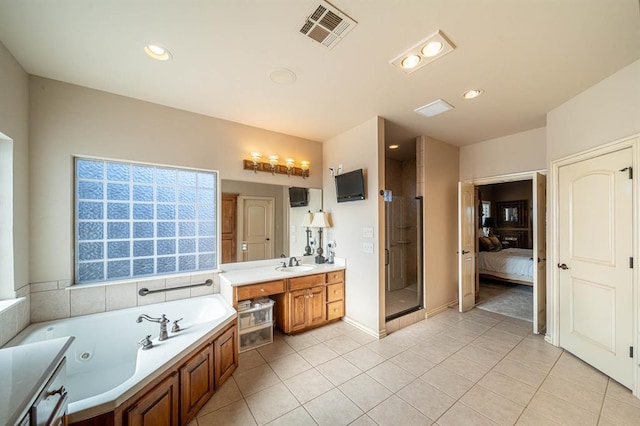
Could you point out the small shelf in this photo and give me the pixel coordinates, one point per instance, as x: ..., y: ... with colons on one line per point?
x: 255, y: 337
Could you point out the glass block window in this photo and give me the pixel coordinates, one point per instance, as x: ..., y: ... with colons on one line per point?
x: 136, y: 220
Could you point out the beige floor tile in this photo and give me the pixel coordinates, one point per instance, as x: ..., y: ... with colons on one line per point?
x: 271, y: 403
x: 510, y: 388
x: 519, y: 371
x: 301, y: 341
x: 446, y: 381
x: 256, y: 379
x: 363, y: 420
x: 249, y: 360
x: 308, y: 385
x: 617, y: 391
x: 561, y: 411
x: 343, y: 327
x: 385, y: 348
x: 472, y: 326
x: 460, y: 414
x: 533, y: 418
x: 492, y: 405
x: 486, y: 357
x: 540, y: 360
x: 365, y: 392
x: 362, y: 337
x: 515, y: 326
x: 580, y: 373
x: 236, y: 414
x: 433, y: 351
x: 391, y: 376
x: 395, y: 411
x: 228, y: 393
x: 411, y: 361
x: 342, y: 344
x: 275, y: 350
x: 620, y: 413
x: 327, y: 332
x: 333, y: 408
x: 338, y: 370
x: 564, y: 389
x: 465, y: 367
x: 297, y: 417
x: 425, y: 398
x: 289, y: 366
x: 466, y: 334
x: 318, y: 354
x: 496, y: 344
x: 363, y: 358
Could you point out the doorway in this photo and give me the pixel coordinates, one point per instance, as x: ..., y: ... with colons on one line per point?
x: 256, y: 223
x: 403, y: 234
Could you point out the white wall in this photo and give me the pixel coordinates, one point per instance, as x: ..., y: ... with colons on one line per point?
x: 608, y: 111
x: 354, y: 149
x: 515, y: 153
x: 69, y: 120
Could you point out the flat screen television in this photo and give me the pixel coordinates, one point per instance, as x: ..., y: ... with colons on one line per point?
x: 350, y: 186
x: 298, y: 197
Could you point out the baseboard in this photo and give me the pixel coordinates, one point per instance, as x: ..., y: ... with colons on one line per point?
x: 441, y: 308
x: 363, y: 328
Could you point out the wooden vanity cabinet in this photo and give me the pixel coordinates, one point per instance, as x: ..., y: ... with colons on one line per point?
x: 225, y: 350
x: 158, y: 407
x: 307, y: 308
x: 196, y: 383
x: 335, y: 295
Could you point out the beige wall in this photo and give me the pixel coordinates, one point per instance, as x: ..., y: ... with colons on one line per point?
x: 608, y: 111
x: 354, y: 149
x: 440, y: 223
x: 69, y: 120
x: 520, y: 152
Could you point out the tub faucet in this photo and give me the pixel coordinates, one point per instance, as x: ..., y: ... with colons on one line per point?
x: 292, y: 259
x: 163, y: 324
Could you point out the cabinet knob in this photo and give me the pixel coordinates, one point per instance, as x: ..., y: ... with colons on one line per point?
x: 262, y: 290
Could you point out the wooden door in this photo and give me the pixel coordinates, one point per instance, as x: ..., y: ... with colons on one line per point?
x: 466, y: 246
x: 595, y: 275
x: 258, y: 228
x: 229, y: 217
x: 159, y: 407
x: 226, y: 355
x: 539, y: 253
x: 196, y: 383
x: 298, y: 310
x: 316, y: 306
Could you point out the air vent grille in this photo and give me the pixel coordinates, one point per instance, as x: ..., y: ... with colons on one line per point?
x: 326, y: 24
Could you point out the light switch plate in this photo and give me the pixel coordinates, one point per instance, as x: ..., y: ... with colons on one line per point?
x: 367, y: 247
x: 367, y: 232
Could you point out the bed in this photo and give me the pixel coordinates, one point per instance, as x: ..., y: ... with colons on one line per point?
x: 514, y: 265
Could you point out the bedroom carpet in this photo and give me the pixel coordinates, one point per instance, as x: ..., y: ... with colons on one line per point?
x: 512, y: 300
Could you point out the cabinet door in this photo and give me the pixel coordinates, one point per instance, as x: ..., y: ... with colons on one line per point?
x: 316, y: 311
x: 196, y: 383
x: 159, y: 407
x: 226, y: 355
x: 298, y: 309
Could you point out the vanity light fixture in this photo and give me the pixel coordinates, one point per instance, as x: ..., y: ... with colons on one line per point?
x: 274, y: 168
x: 472, y: 94
x: 304, y: 165
x: 157, y: 52
x: 289, y: 163
x: 273, y: 162
x: 424, y: 52
x: 256, y: 156
x: 394, y: 146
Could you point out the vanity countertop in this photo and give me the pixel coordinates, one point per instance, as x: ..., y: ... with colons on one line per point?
x: 244, y: 273
x: 24, y: 370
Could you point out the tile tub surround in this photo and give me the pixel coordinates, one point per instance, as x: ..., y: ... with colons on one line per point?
x: 452, y: 369
x: 58, y: 299
x: 14, y: 318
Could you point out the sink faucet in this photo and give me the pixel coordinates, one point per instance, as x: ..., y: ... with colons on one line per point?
x: 163, y: 324
x: 292, y: 259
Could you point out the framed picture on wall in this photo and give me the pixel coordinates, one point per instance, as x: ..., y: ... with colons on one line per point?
x: 512, y: 214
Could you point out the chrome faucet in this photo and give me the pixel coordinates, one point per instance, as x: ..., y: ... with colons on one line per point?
x: 291, y: 261
x: 163, y: 324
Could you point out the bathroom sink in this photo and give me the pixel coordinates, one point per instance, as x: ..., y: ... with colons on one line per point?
x: 299, y: 268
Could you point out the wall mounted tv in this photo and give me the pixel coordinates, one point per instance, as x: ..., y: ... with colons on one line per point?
x: 298, y: 197
x: 350, y: 186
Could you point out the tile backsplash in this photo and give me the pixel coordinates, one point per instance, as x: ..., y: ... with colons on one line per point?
x: 15, y: 318
x: 53, y: 300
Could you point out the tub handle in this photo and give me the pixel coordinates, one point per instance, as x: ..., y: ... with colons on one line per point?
x: 176, y: 327
x: 146, y: 343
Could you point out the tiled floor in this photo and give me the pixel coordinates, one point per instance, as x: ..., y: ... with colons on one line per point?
x: 477, y: 368
x: 400, y: 300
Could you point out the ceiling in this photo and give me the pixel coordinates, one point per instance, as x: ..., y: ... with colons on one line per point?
x: 528, y: 56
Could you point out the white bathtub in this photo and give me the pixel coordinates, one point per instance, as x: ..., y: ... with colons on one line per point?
x: 105, y: 365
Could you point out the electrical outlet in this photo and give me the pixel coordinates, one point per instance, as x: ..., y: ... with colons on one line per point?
x: 367, y: 232
x: 367, y: 247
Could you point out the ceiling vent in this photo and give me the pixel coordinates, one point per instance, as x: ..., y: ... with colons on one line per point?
x: 326, y: 24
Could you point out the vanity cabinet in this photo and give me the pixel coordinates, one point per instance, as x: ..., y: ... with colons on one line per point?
x: 196, y: 382
x: 307, y: 308
x: 225, y: 350
x: 268, y: 288
x: 158, y: 407
x: 335, y: 295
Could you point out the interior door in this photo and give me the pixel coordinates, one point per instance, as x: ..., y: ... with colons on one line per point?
x: 257, y: 227
x: 395, y: 248
x: 540, y: 253
x: 466, y: 246
x: 595, y: 276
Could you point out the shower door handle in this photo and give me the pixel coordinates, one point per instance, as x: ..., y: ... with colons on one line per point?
x: 386, y: 257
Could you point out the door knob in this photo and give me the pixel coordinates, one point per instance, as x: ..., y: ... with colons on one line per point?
x: 563, y: 266
x: 465, y: 251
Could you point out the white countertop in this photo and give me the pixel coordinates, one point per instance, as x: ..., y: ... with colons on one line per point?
x: 243, y: 273
x: 24, y: 371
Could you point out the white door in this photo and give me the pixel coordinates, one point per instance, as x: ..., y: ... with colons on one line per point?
x: 466, y: 246
x: 395, y: 248
x: 595, y: 278
x: 257, y: 228
x: 539, y: 253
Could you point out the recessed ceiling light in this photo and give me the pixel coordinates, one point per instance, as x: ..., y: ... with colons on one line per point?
x: 157, y: 52
x: 432, y: 48
x: 394, y: 146
x: 410, y: 61
x: 283, y: 76
x: 471, y: 94
x: 434, y: 108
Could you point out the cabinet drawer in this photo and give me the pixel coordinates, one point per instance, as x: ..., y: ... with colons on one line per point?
x: 335, y: 310
x: 335, y: 277
x: 335, y: 292
x: 298, y: 283
x: 261, y: 289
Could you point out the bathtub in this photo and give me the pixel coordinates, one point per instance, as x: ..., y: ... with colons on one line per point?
x: 105, y: 365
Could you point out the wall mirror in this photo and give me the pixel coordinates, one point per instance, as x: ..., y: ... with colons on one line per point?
x: 258, y: 222
x: 512, y: 214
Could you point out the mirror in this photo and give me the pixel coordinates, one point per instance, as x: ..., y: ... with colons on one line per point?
x: 512, y: 214
x: 259, y: 223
